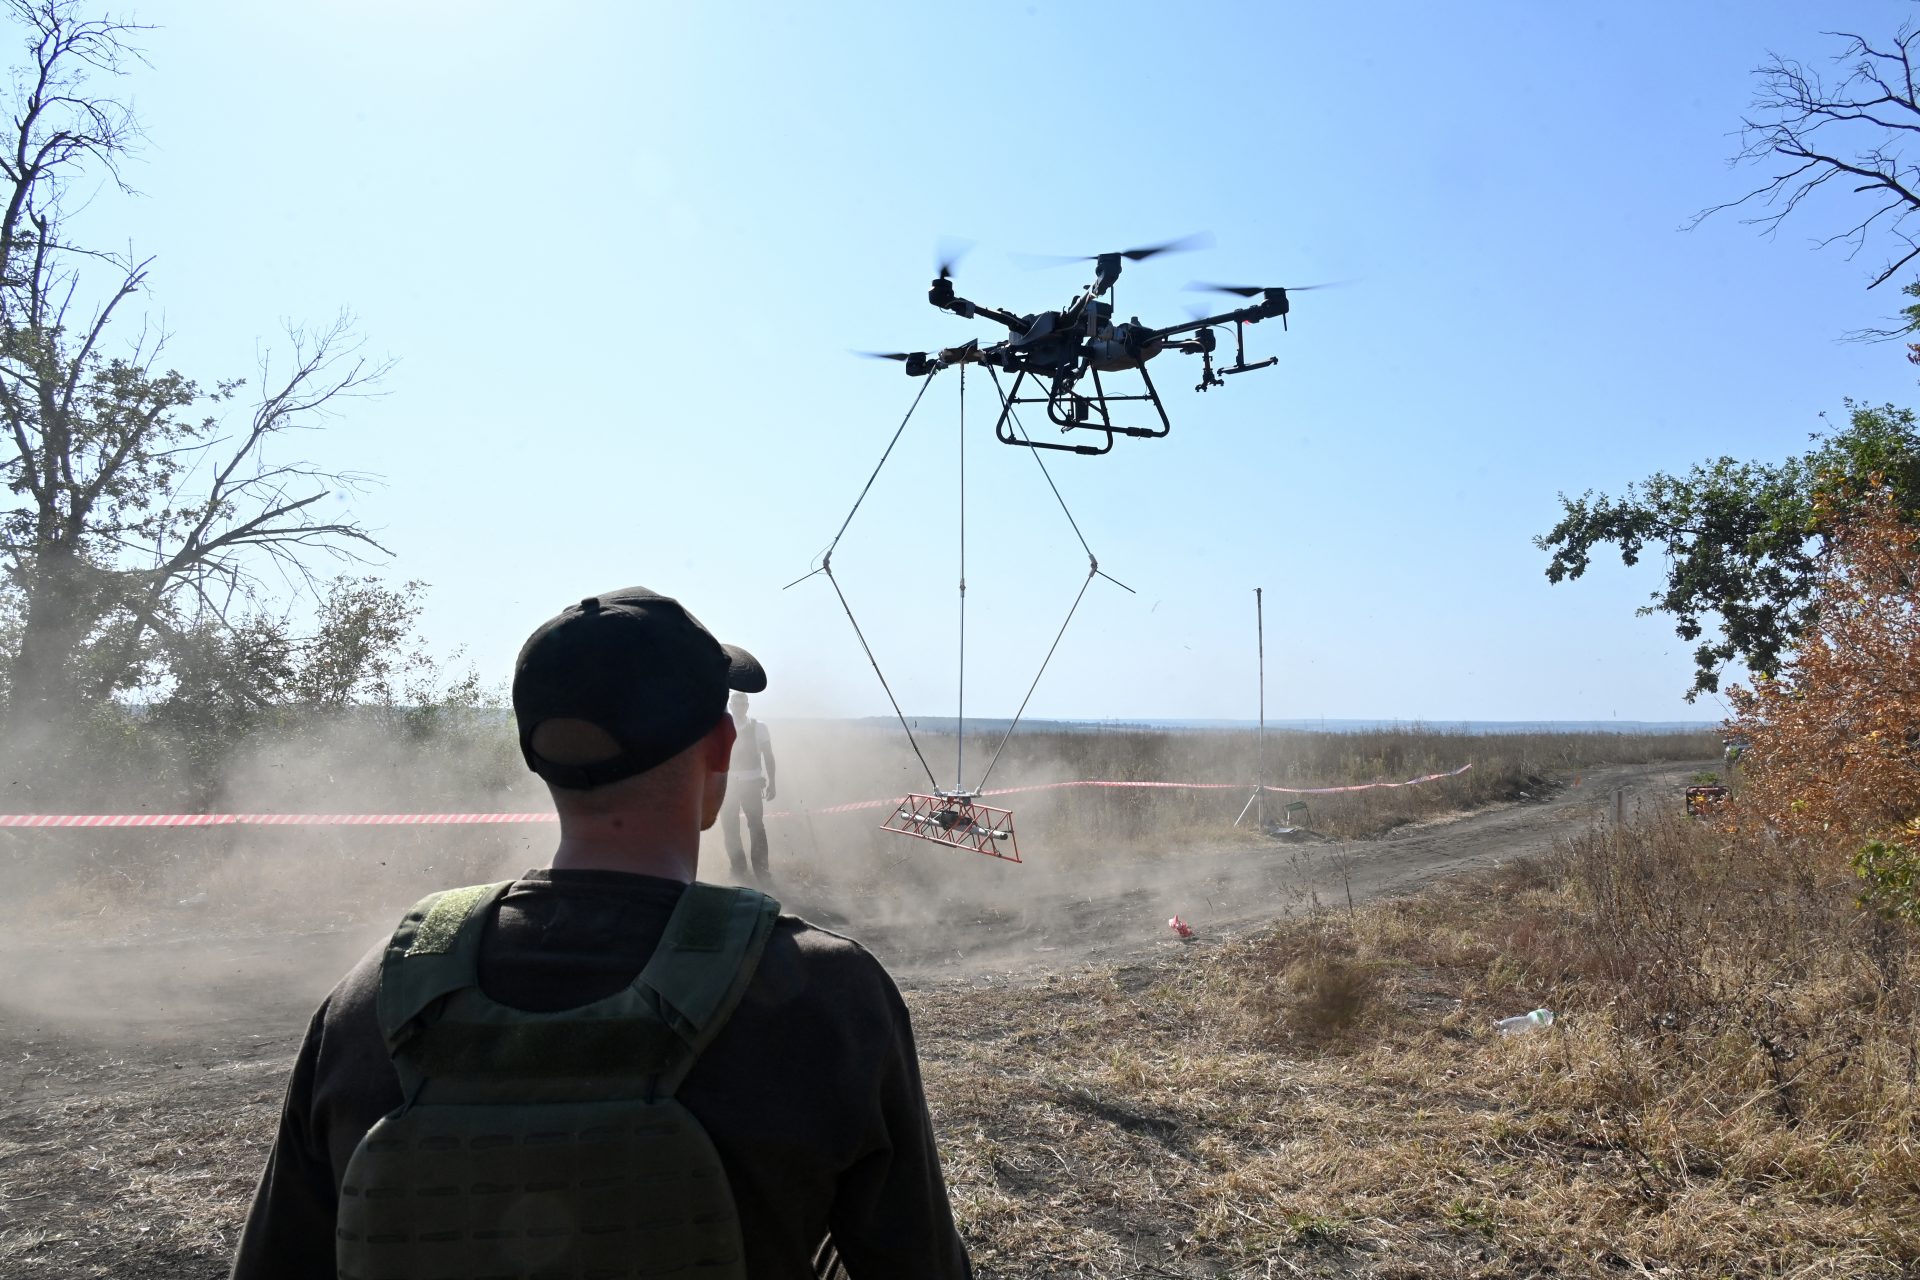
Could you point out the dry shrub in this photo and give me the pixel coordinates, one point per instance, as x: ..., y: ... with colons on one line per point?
x: 1332, y: 994
x: 1833, y: 753
x: 1734, y: 1032
x: 1832, y: 748
x: 1306, y: 986
x: 1738, y: 975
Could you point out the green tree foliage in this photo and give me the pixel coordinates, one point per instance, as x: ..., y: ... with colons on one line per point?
x: 1742, y: 541
x: 148, y: 511
x: 361, y: 648
x: 360, y: 655
x: 1891, y: 870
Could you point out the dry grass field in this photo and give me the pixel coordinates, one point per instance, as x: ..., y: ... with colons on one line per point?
x: 1729, y: 1089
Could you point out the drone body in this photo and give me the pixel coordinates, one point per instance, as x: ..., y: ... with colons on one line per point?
x: 1066, y: 351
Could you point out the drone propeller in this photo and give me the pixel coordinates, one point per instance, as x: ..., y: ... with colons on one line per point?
x: 889, y: 355
x: 1199, y: 240
x: 948, y: 252
x: 1185, y: 244
x: 1255, y: 290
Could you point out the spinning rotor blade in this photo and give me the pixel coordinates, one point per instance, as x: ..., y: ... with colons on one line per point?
x: 1199, y: 240
x: 1255, y: 290
x: 948, y: 252
x: 1185, y: 244
x: 889, y: 355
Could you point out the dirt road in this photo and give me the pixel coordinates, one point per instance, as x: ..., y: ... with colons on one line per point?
x: 1065, y: 918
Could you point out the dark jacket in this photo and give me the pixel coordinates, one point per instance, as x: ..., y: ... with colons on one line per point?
x: 811, y: 1092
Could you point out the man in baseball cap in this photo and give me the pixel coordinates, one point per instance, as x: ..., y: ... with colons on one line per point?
x: 633, y: 664
x: 697, y: 1024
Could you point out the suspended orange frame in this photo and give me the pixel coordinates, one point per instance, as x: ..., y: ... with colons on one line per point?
x: 958, y: 821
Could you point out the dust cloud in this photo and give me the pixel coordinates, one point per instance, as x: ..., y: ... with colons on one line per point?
x: 146, y: 933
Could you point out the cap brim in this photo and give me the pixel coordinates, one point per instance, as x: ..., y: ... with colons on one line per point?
x: 744, y: 671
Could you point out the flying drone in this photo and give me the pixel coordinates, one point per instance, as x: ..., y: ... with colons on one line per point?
x: 1066, y: 351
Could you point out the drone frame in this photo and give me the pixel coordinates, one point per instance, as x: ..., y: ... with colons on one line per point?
x: 1029, y: 351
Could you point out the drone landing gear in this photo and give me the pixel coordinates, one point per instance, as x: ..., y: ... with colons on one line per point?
x: 1069, y: 410
x: 1240, y: 364
x: 954, y: 818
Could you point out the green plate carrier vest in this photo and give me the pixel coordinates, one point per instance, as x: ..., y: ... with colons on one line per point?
x: 549, y: 1146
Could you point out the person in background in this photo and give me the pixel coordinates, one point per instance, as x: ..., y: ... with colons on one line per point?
x: 749, y: 785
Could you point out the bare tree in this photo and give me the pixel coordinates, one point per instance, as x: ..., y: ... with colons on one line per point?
x: 1849, y: 136
x: 140, y: 510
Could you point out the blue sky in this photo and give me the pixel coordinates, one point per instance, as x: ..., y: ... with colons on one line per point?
x: 621, y: 252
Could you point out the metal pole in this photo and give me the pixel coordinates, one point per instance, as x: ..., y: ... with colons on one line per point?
x: 1260, y: 644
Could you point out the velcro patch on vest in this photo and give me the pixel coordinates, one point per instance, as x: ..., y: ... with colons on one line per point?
x: 442, y: 922
x: 702, y: 925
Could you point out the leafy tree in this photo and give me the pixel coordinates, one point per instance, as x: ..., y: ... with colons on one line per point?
x: 143, y: 516
x: 1743, y: 542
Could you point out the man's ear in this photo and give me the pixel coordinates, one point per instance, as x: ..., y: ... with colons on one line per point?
x: 718, y: 745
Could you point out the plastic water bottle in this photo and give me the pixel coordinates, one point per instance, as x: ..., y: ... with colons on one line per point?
x: 1525, y: 1022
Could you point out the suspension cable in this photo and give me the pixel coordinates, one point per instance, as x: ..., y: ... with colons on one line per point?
x: 868, y: 649
x: 960, y: 730
x: 826, y: 559
x: 1036, y: 681
x: 826, y: 567
x: 1093, y: 571
x: 1013, y: 415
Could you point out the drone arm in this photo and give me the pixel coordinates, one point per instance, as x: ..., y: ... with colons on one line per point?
x: 1013, y: 322
x: 942, y: 296
x: 968, y: 310
x: 1242, y: 316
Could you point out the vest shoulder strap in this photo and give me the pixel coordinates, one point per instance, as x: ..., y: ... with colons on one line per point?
x: 657, y: 1026
x: 434, y: 951
x: 704, y: 963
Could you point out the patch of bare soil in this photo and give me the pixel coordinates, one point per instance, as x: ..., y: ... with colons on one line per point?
x: 1087, y: 1128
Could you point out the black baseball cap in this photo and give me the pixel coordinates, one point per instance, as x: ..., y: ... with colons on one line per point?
x: 638, y: 666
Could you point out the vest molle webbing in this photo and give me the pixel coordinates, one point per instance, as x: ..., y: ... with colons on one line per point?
x: 549, y: 1146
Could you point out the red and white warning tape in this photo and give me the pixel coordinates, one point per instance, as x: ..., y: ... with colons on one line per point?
x: 468, y: 819
x: 263, y: 819
x: 859, y: 805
